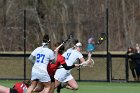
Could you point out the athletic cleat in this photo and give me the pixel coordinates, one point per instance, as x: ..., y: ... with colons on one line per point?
x: 59, y: 88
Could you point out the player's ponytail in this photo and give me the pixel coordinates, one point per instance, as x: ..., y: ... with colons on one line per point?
x: 45, y: 40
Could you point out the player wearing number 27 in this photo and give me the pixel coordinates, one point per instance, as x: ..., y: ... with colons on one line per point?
x: 41, y: 56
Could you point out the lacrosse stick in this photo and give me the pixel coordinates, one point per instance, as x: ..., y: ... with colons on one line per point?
x: 91, y: 46
x: 101, y: 39
x: 56, y: 50
x: 69, y: 38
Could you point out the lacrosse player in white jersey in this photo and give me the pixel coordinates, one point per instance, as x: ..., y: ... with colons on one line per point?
x: 41, y: 56
x: 62, y: 75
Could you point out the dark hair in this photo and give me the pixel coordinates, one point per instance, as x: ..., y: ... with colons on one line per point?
x: 131, y: 50
x: 75, y: 41
x: 61, y: 49
x: 46, y: 38
x: 12, y: 90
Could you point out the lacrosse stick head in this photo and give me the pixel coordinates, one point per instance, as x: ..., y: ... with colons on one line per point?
x: 102, y: 38
x: 70, y: 36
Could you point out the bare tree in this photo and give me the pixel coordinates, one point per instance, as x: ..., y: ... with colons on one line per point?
x: 60, y: 17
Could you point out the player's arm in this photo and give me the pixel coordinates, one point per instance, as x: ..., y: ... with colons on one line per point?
x: 55, y: 57
x: 86, y: 62
x: 4, y: 89
x: 69, y: 67
x: 32, y: 59
x: 63, y: 63
x: 83, y: 62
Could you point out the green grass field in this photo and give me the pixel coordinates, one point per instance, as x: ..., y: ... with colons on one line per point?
x: 94, y: 87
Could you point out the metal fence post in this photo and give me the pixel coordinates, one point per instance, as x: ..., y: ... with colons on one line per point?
x: 126, y: 67
x: 4, y: 11
x: 79, y: 71
x: 109, y: 67
x: 24, y: 44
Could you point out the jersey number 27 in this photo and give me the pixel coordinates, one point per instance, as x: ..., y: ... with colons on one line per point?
x: 40, y: 58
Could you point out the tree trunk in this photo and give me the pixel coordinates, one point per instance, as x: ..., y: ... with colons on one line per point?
x: 124, y: 23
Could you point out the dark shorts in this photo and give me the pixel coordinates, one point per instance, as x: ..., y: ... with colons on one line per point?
x: 52, y: 79
x: 13, y: 90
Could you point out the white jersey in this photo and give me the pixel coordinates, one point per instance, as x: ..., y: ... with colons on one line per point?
x: 43, y: 55
x: 71, y: 56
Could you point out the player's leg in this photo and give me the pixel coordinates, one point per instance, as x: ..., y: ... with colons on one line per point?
x: 52, y: 87
x: 58, y: 86
x: 52, y: 84
x: 34, y: 81
x: 47, y: 86
x: 60, y: 75
x: 39, y: 87
x: 4, y: 89
x: 44, y: 78
x: 69, y: 83
x: 72, y: 84
x: 32, y: 86
x: 57, y: 83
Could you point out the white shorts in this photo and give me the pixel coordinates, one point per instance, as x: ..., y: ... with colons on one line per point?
x: 63, y: 75
x: 42, y: 77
